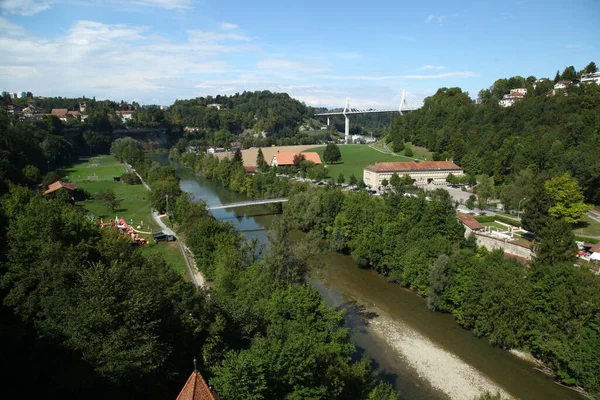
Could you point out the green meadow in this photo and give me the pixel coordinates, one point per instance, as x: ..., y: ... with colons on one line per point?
x: 355, y: 157
x: 95, y: 175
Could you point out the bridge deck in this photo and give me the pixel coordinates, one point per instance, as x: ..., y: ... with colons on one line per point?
x: 247, y: 203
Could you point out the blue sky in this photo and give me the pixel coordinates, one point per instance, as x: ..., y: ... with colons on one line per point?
x: 156, y: 51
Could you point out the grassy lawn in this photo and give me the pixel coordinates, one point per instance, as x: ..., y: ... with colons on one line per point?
x: 355, y: 157
x: 135, y: 203
x: 170, y: 253
x: 590, y: 227
x: 495, y: 225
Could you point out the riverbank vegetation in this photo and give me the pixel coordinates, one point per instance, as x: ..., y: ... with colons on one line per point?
x: 85, y: 314
x: 550, y: 308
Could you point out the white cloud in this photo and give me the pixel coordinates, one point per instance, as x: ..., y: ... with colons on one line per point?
x: 24, y: 7
x: 226, y: 26
x: 9, y: 28
x: 282, y: 65
x: 436, y: 67
x: 111, y: 61
x: 465, y: 74
x: 436, y: 18
x: 167, y: 4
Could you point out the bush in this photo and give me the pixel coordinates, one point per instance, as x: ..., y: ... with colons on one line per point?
x: 130, y: 178
x: 408, y: 152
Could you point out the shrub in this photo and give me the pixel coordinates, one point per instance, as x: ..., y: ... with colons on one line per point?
x: 130, y: 178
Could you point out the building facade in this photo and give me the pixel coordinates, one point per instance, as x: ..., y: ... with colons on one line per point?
x: 421, y: 172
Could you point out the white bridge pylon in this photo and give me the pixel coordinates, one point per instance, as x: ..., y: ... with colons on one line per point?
x: 409, y: 102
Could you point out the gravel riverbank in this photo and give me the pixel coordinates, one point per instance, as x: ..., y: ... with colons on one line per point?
x: 442, y: 369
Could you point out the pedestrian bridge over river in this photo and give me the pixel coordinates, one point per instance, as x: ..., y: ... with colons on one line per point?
x: 247, y: 203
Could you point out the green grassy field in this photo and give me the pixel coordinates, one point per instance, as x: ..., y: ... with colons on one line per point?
x: 592, y: 228
x: 355, y: 157
x: 170, y: 253
x: 135, y: 203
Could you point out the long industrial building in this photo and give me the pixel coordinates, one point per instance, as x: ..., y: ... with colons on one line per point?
x: 421, y: 172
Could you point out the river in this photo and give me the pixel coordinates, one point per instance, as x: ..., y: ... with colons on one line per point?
x: 424, y: 354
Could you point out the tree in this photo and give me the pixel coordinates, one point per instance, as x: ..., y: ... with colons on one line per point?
x: 332, y: 153
x: 569, y: 74
x: 591, y: 68
x: 361, y: 184
x: 439, y: 281
x: 485, y: 191
x: 352, y: 180
x: 160, y: 191
x: 555, y: 243
x: 237, y: 157
x: 408, y: 152
x: 384, y: 183
x: 298, y: 158
x: 395, y: 181
x: 535, y: 209
x: 341, y: 179
x: 109, y: 198
x: 261, y: 164
x: 566, y: 199
x: 470, y: 203
x: 557, y: 76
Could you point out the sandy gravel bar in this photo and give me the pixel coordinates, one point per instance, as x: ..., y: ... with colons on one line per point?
x: 444, y: 370
x: 249, y: 155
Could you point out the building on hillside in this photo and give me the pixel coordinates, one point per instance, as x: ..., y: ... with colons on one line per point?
x: 14, y: 109
x: 213, y: 150
x: 82, y: 107
x: 514, y: 96
x: 471, y: 224
x: 250, y: 169
x: 70, y: 188
x: 562, y: 85
x: 196, y: 388
x: 421, y: 172
x: 216, y: 106
x: 126, y: 115
x: 283, y: 159
x: 61, y: 113
x: 236, y: 146
x: 32, y: 111
x: 589, y: 78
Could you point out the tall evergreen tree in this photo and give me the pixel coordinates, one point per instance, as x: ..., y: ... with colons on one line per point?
x: 535, y: 212
x: 261, y: 164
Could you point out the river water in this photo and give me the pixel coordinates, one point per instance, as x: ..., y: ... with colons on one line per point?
x: 425, y: 355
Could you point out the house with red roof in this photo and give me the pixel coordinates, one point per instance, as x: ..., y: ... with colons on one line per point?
x: 421, y: 172
x: 286, y: 159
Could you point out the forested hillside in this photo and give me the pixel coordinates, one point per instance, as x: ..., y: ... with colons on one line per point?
x: 275, y: 114
x: 542, y: 134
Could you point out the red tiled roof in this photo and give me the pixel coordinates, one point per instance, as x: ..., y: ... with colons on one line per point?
x: 470, y: 222
x: 595, y: 248
x: 414, y: 166
x: 288, y: 158
x: 250, y: 169
x: 53, y: 187
x: 196, y: 389
x: 59, y: 111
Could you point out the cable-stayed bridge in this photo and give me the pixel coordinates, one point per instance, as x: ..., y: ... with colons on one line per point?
x: 409, y: 102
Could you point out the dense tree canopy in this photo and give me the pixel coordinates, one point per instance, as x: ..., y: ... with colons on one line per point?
x: 541, y: 134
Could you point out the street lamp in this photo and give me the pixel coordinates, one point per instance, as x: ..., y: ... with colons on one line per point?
x: 519, y: 206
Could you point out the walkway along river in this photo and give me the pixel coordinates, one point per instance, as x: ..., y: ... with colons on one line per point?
x: 426, y: 355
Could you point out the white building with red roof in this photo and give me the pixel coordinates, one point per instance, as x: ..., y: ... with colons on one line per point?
x: 421, y: 172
